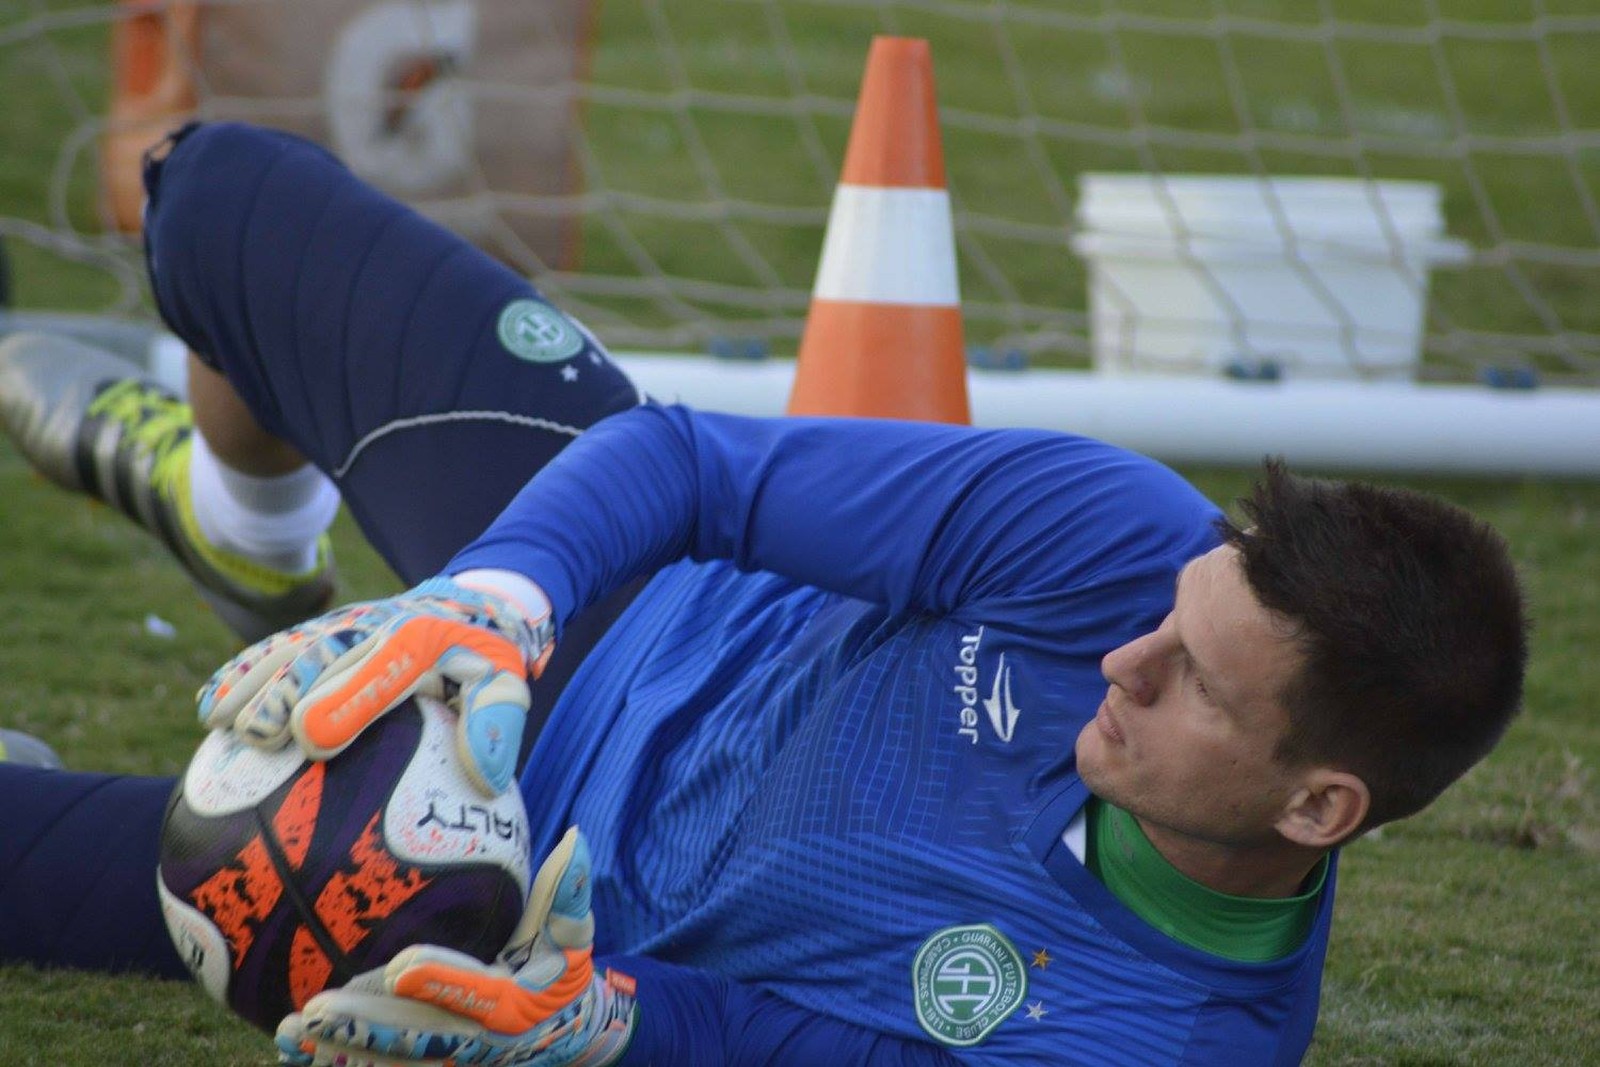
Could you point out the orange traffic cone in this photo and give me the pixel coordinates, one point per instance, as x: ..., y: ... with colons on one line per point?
x: 883, y: 337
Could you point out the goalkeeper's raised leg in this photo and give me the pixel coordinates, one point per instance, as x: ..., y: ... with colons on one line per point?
x: 90, y: 422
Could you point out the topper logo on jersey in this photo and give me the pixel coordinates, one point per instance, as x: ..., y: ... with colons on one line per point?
x: 1001, y: 709
x: 966, y: 980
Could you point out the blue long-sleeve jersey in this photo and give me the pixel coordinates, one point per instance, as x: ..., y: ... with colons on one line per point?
x: 829, y: 754
x: 825, y: 759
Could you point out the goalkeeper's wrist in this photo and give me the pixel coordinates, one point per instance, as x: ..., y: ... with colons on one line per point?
x: 610, y: 1023
x: 517, y: 589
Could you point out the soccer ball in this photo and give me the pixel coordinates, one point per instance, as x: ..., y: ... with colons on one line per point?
x: 280, y: 877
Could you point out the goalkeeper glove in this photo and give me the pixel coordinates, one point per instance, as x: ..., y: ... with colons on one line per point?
x: 325, y: 681
x: 539, y: 1005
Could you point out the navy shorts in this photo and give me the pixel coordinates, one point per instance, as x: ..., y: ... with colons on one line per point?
x: 429, y: 381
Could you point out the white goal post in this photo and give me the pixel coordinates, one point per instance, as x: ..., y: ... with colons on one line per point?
x: 663, y: 168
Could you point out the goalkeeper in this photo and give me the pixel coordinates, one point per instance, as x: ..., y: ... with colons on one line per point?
x: 892, y: 743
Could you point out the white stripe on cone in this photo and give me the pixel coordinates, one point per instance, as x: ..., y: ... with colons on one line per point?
x: 889, y: 246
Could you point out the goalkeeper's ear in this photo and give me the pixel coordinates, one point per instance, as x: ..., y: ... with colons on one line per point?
x: 1328, y: 809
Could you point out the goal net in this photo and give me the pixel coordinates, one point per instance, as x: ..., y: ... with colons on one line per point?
x: 664, y: 167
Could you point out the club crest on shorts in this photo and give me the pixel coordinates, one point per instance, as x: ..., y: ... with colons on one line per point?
x: 535, y: 331
x: 966, y: 980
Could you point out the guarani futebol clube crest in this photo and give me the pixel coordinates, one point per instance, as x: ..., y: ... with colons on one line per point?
x: 533, y: 330
x: 966, y: 980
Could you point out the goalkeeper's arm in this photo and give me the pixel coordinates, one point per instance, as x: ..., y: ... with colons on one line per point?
x: 688, y: 1016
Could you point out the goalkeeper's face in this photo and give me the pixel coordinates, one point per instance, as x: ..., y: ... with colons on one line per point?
x: 1187, y: 735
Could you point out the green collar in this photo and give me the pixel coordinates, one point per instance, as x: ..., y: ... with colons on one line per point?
x: 1249, y: 929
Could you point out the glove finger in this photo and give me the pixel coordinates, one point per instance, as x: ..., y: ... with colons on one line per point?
x: 494, y: 708
x: 264, y: 719
x: 560, y: 892
x: 295, y: 1044
x: 294, y: 1050
x: 313, y: 1054
x: 383, y: 670
x: 374, y: 1027
x: 236, y: 682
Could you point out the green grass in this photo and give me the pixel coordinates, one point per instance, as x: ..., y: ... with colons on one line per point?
x: 1465, y: 936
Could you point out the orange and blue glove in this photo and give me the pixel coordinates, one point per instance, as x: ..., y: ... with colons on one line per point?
x: 325, y: 681
x: 541, y: 1004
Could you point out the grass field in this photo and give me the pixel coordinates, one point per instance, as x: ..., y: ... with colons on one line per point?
x: 1466, y: 936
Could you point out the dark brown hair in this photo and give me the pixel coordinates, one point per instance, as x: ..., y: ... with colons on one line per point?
x: 1411, y: 620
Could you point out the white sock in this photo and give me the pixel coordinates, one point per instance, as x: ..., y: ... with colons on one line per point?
x: 274, y: 521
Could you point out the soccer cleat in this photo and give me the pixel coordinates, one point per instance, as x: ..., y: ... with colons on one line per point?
x: 25, y: 750
x: 89, y: 422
